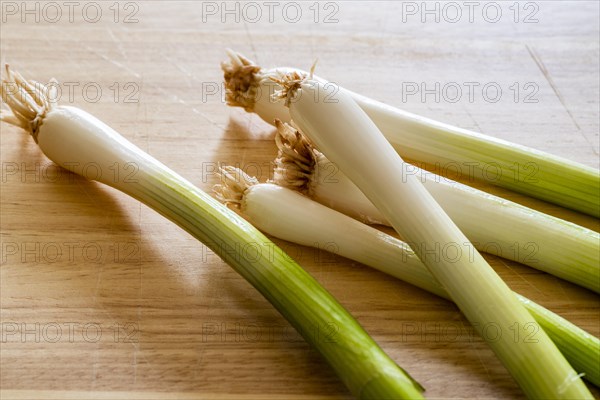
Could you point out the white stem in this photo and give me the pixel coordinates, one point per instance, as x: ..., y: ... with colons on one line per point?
x: 494, y: 225
x: 76, y: 140
x: 526, y: 170
x: 345, y: 134
x: 288, y: 215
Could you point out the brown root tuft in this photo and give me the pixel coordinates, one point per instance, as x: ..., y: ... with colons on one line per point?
x: 242, y: 78
x: 296, y: 158
x: 234, y: 183
x: 28, y: 101
x: 290, y: 83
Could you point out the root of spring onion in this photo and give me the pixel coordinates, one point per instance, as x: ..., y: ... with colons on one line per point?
x: 492, y: 224
x: 348, y: 137
x: 522, y: 169
x: 73, y: 138
x: 288, y: 215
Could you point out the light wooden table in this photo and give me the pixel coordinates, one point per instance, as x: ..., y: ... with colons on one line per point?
x: 102, y: 298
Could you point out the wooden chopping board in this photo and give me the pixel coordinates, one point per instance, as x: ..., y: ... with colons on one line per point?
x: 101, y: 298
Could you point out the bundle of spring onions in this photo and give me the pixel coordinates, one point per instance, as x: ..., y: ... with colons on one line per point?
x: 519, y: 168
x: 72, y: 138
x: 286, y: 214
x: 491, y: 223
x: 350, y: 139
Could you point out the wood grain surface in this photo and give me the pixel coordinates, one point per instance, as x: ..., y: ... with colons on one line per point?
x: 102, y: 298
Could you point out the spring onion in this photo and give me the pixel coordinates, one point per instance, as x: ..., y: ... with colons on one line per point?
x: 348, y: 137
x: 286, y: 214
x: 492, y: 224
x: 519, y: 168
x: 73, y: 139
